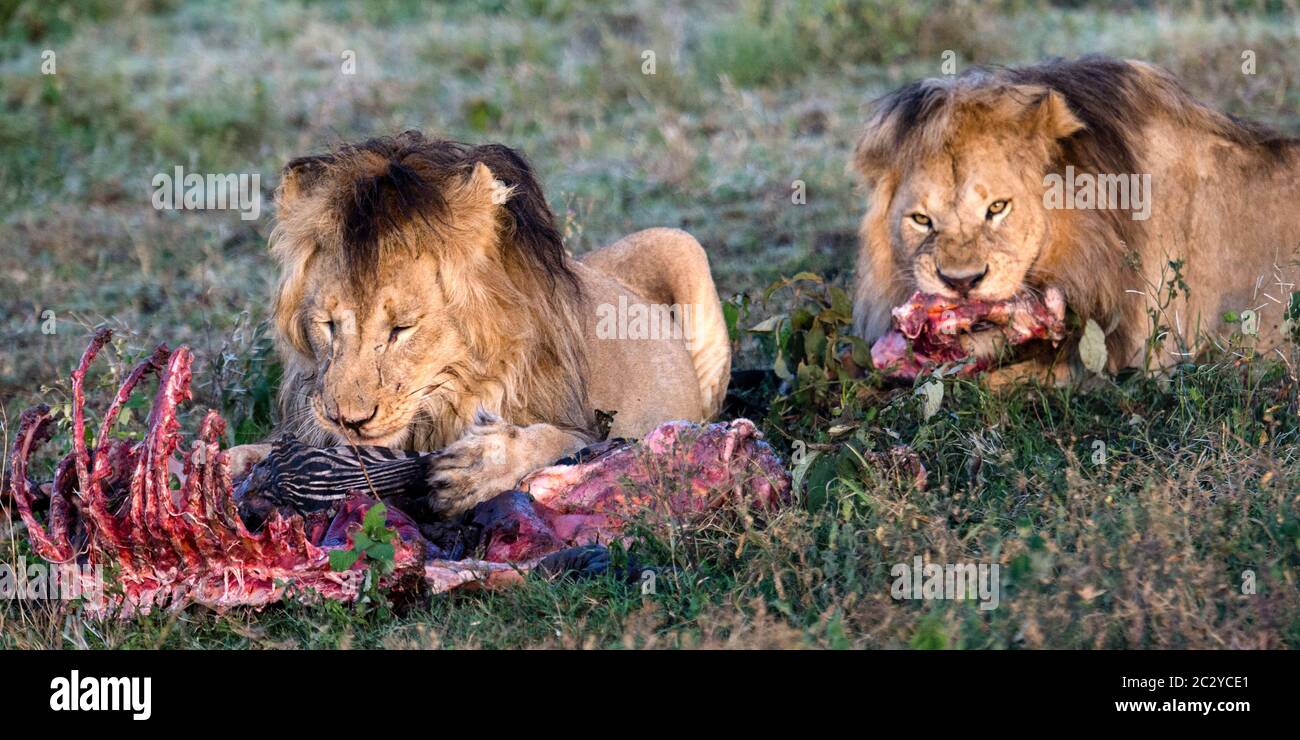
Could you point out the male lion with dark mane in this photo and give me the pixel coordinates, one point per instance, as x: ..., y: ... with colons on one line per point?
x: 426, y: 302
x: 964, y: 176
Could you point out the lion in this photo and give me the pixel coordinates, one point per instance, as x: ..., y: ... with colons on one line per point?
x: 965, y: 177
x: 426, y: 302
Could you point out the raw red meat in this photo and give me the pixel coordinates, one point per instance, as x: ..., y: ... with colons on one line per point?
x: 928, y: 330
x: 112, y: 505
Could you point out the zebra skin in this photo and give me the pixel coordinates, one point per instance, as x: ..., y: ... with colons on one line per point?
x: 309, y: 479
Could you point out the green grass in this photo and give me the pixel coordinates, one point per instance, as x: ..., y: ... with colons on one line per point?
x: 1145, y: 549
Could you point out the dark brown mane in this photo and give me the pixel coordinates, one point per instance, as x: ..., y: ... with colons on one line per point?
x: 1113, y: 98
x: 385, y: 184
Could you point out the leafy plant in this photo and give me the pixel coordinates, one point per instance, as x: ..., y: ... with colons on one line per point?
x: 374, y: 542
x: 1171, y: 286
x: 813, y: 348
x: 734, y: 312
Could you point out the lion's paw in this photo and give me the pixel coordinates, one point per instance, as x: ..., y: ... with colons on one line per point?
x: 474, y: 468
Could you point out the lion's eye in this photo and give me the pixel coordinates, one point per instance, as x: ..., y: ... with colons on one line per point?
x: 396, y: 333
x: 920, y: 219
x: 996, y: 207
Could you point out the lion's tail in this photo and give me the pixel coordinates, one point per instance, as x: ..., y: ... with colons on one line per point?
x: 669, y: 266
x: 710, y: 344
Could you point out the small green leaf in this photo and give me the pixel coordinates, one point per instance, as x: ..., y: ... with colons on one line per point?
x: 840, y: 303
x: 376, y: 517
x: 731, y: 317
x: 381, y: 551
x: 815, y: 343
x: 341, y: 560
x: 861, y: 352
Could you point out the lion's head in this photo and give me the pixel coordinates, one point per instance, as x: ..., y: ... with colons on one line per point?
x: 421, y: 280
x: 955, y: 169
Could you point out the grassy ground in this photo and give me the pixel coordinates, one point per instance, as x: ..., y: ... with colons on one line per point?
x: 1145, y: 547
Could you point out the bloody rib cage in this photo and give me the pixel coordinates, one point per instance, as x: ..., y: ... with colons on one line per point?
x: 111, y: 505
x: 111, y: 509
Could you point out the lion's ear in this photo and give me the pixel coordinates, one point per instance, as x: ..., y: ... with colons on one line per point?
x: 299, y: 177
x: 1051, y: 116
x: 485, y: 188
x: 476, y: 204
x: 529, y: 233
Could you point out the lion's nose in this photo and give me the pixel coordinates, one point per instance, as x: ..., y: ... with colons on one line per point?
x: 355, y: 423
x: 962, y: 282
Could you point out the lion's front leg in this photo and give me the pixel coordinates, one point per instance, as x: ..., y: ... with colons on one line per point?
x: 1049, y: 374
x: 491, y: 457
x: 992, y: 346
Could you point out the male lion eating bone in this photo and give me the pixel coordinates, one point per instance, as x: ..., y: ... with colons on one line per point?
x: 426, y: 302
x: 966, y: 177
x: 929, y: 330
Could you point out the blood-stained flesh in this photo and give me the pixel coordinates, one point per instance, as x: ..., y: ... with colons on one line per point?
x: 928, y: 330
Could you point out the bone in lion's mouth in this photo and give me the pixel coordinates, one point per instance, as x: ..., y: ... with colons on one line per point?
x: 927, y: 330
